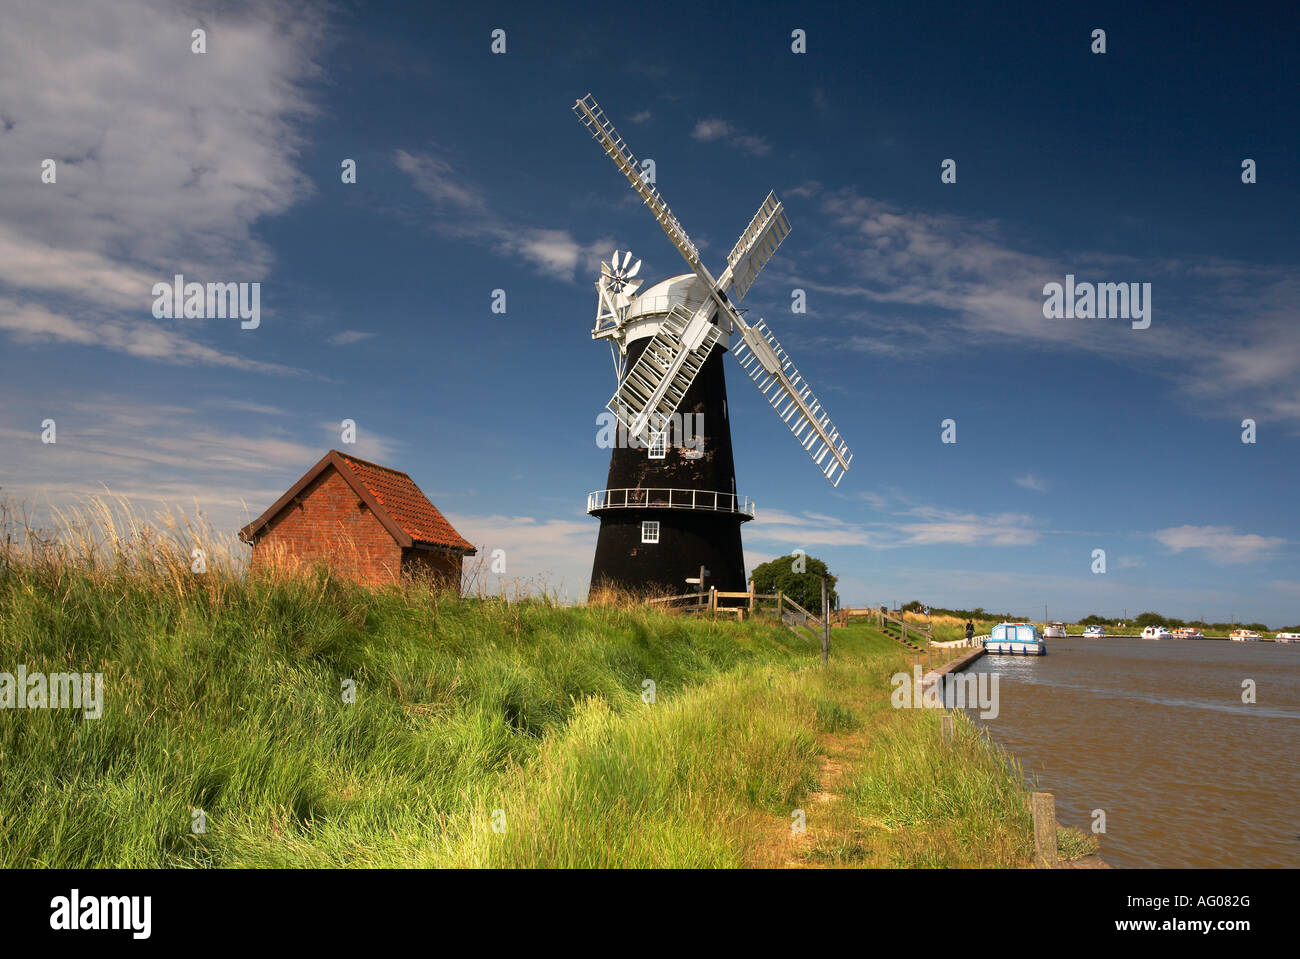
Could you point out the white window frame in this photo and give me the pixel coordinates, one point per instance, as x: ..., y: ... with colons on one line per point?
x: 649, y: 530
x: 658, y: 445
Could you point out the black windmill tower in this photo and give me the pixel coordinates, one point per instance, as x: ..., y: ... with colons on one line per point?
x: 670, y: 504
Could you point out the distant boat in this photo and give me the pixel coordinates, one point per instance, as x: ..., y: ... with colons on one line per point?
x: 1244, y: 636
x: 1094, y: 632
x: 1015, y: 639
x: 1188, y: 632
x: 1055, y: 631
x: 1287, y: 637
x: 1156, y: 632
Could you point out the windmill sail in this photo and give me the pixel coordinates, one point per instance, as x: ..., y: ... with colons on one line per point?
x: 656, y: 384
x: 767, y: 364
x: 594, y: 119
x: 757, y: 245
x: 653, y: 388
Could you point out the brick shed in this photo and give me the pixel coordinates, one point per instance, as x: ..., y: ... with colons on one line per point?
x: 367, y: 521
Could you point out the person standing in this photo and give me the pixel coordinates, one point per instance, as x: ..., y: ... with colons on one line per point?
x: 970, y: 630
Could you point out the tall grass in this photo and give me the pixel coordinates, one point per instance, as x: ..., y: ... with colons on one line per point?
x: 493, y: 731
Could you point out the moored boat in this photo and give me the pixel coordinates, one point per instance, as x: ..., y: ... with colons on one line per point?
x: 1015, y: 639
x: 1055, y: 631
x: 1244, y: 636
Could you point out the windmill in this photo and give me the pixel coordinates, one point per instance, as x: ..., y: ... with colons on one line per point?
x: 670, y: 510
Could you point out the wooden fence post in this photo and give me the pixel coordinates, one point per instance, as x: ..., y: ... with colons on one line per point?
x: 751, y: 597
x: 780, y: 604
x: 1043, y: 806
x: 713, y: 599
x: 826, y: 624
x: 947, y: 727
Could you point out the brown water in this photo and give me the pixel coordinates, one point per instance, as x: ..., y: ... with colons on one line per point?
x: 1155, y: 733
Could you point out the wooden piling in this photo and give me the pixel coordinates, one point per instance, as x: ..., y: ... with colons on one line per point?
x: 947, y: 727
x: 1043, y: 806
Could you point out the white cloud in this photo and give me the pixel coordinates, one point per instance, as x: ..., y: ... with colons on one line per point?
x: 1221, y: 330
x: 915, y: 526
x: 165, y: 161
x: 715, y: 129
x: 1030, y: 481
x: 553, y: 553
x: 347, y: 337
x: 936, y: 526
x: 1220, y: 543
x: 32, y: 323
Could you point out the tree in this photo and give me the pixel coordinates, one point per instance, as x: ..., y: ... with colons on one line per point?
x: 1150, y: 619
x: 805, y: 588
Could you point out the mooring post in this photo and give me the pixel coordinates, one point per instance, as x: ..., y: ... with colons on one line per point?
x: 780, y: 604
x: 751, y: 597
x: 947, y: 727
x: 1044, y: 810
x: 713, y: 599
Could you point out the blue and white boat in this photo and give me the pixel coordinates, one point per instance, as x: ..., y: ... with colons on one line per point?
x: 1015, y: 639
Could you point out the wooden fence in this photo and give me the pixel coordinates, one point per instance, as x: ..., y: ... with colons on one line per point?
x: 886, y: 623
x: 786, y: 609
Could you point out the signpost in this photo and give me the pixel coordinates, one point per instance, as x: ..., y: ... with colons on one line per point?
x: 699, y: 580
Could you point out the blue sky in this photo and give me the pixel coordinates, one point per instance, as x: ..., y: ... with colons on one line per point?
x: 924, y: 298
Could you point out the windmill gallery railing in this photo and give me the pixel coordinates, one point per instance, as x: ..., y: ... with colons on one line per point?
x: 644, y: 497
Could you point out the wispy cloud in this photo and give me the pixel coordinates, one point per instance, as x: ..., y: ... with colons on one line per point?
x: 147, y: 453
x: 347, y: 337
x: 914, y: 526
x: 1222, y: 544
x: 466, y: 215
x: 33, y: 323
x: 917, y: 282
x: 716, y: 129
x: 1030, y: 481
x: 554, y: 552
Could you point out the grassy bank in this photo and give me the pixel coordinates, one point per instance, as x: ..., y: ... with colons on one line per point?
x: 226, y: 696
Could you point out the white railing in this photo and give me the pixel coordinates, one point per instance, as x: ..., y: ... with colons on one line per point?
x: 975, y: 641
x: 669, y: 499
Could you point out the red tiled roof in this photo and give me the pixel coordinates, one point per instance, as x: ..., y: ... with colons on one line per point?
x: 399, y: 505
x: 409, y: 508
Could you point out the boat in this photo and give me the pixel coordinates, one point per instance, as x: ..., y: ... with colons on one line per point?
x: 1156, y: 632
x: 1094, y: 632
x: 1287, y: 638
x: 1015, y: 639
x: 1055, y: 631
x: 1188, y: 632
x: 1244, y: 636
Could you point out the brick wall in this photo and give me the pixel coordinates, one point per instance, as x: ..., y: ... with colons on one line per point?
x: 444, y: 568
x: 329, y: 523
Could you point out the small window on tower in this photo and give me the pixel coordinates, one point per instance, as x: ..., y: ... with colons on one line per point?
x: 650, y: 531
x: 658, y: 445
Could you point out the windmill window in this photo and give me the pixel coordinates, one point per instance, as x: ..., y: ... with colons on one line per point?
x: 658, y: 445
x: 650, y: 531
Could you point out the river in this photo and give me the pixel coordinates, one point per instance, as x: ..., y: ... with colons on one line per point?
x: 1155, y: 733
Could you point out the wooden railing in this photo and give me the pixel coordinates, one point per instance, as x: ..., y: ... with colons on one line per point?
x: 787, y: 610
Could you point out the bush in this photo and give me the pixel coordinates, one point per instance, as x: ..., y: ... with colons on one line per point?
x: 805, y: 588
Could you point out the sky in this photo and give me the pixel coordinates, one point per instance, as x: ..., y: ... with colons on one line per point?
x: 924, y: 298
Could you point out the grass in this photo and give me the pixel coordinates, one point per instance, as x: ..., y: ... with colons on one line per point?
x: 484, y: 731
